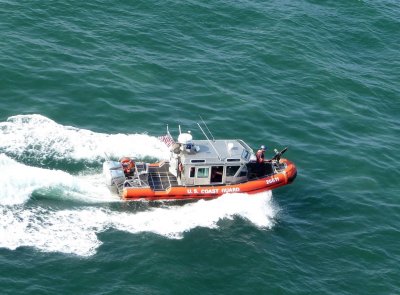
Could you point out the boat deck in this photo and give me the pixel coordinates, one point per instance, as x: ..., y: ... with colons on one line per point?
x: 160, y: 179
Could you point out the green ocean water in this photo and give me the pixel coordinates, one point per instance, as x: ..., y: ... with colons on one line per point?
x: 79, y: 81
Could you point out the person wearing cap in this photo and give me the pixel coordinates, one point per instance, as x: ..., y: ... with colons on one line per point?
x: 260, y: 154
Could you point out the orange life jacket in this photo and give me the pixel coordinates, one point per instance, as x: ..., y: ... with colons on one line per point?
x: 128, y: 165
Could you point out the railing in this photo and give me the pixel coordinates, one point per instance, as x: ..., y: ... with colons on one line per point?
x: 160, y: 180
x: 156, y: 180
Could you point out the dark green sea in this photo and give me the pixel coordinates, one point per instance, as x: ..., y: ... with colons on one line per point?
x: 83, y: 80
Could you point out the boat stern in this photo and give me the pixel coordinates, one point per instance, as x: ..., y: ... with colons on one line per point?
x: 113, y: 174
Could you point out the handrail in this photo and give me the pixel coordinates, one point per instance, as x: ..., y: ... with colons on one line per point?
x: 156, y: 180
x: 163, y: 182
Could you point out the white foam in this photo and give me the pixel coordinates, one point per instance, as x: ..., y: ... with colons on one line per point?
x: 174, y: 221
x: 75, y: 231
x: 41, y: 138
x: 19, y: 181
x: 67, y: 231
x: 44, y: 138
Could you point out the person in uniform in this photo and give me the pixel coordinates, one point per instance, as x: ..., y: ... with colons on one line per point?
x: 260, y: 155
x: 128, y: 165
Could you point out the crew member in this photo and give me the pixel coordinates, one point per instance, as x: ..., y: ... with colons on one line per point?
x: 128, y: 165
x: 260, y: 154
x: 180, y: 168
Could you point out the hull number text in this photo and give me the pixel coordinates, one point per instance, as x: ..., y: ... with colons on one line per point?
x: 272, y: 180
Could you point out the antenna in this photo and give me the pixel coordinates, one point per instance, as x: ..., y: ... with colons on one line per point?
x: 207, y: 128
x: 219, y: 156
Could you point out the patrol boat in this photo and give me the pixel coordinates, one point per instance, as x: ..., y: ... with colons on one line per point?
x: 198, y: 169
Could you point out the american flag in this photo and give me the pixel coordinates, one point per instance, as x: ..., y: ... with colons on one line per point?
x: 167, y: 139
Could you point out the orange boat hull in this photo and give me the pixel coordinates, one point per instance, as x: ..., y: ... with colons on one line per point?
x: 209, y: 191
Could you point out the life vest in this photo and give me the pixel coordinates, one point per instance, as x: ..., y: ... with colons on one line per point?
x: 128, y: 165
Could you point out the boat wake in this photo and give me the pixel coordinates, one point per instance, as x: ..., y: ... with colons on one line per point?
x: 18, y: 182
x: 40, y: 138
x: 75, y: 230
x: 28, y: 220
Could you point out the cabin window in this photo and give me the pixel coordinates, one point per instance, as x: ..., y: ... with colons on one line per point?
x: 202, y: 172
x: 231, y: 170
x: 197, y: 161
x: 243, y: 172
x: 233, y: 160
x: 192, y: 172
x: 245, y: 155
x: 216, y: 173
